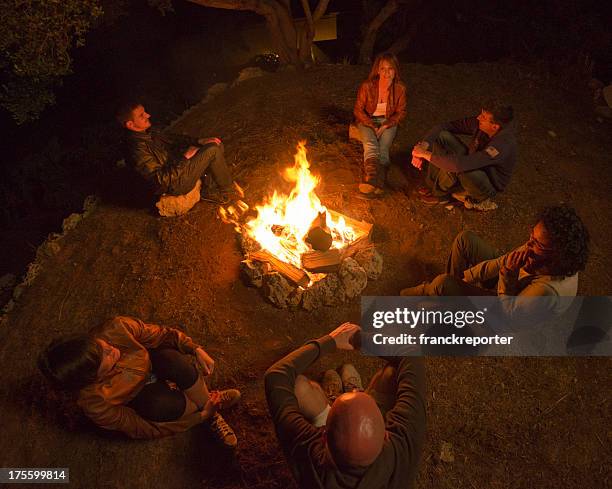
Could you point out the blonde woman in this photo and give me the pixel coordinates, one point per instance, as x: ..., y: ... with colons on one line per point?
x: 380, y: 107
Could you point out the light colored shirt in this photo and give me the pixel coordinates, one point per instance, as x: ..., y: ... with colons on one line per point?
x: 381, y: 109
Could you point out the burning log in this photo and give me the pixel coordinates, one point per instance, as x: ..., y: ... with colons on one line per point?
x: 356, y: 246
x: 319, y: 236
x: 362, y: 226
x: 322, y: 261
x: 291, y: 272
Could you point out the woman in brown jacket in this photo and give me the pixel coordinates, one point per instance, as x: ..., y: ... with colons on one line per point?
x: 138, y: 378
x: 380, y: 107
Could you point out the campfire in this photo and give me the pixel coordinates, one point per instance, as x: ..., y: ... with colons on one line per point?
x: 297, y: 248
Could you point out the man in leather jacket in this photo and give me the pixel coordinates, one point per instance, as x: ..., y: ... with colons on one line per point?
x: 171, y: 164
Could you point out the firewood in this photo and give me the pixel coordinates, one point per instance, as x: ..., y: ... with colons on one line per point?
x: 359, y: 244
x: 322, y: 261
x: 291, y: 272
x: 319, y: 235
x: 360, y: 227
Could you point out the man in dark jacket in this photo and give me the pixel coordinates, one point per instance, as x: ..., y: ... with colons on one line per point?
x: 171, y: 164
x: 370, y: 439
x: 472, y: 174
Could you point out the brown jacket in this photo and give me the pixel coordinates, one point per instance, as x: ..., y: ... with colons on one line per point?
x: 105, y: 400
x: 304, y: 446
x: 367, y: 97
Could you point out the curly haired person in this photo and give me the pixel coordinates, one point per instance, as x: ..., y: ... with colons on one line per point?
x: 547, y: 265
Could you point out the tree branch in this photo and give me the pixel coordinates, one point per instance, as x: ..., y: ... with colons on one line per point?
x: 320, y: 9
x: 278, y: 19
x: 402, y: 43
x: 369, y: 38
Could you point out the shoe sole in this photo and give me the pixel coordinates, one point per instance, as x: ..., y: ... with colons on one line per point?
x: 371, y: 196
x: 440, y: 202
x: 214, y: 201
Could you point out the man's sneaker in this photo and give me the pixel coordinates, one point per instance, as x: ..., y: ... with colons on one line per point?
x: 432, y: 200
x: 423, y: 191
x: 332, y: 385
x: 483, y: 205
x: 218, y: 198
x: 460, y: 196
x: 351, y: 380
x: 222, y: 431
x: 228, y: 398
x: 366, y: 188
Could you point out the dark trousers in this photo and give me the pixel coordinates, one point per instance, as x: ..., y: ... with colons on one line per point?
x: 467, y: 250
x: 210, y: 158
x: 157, y: 401
x: 442, y: 183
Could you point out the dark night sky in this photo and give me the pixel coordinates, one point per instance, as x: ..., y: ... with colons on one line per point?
x: 133, y: 52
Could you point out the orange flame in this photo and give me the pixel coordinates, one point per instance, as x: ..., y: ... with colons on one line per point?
x: 283, y: 221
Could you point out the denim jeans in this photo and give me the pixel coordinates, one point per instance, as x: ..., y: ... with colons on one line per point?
x: 441, y: 183
x: 374, y: 147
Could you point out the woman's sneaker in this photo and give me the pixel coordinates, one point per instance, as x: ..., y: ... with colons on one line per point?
x: 222, y: 431
x: 228, y: 398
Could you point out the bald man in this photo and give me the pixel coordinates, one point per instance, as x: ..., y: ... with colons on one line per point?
x: 369, y: 439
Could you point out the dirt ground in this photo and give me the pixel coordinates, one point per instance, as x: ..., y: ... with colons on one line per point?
x: 511, y: 422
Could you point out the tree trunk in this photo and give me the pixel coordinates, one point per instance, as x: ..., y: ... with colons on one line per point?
x: 367, y: 46
x: 402, y: 43
x: 278, y: 20
x: 307, y: 36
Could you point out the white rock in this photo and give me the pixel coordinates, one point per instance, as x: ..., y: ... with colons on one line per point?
x: 329, y: 291
x: 215, y: 90
x: 353, y: 277
x: 71, y: 222
x: 276, y: 289
x: 7, y: 281
x: 371, y: 261
x: 353, y: 133
x: 170, y: 205
x: 253, y: 271
x: 248, y: 73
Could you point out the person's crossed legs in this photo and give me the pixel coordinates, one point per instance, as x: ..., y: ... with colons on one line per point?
x: 208, y: 158
x: 474, y: 184
x: 468, y: 249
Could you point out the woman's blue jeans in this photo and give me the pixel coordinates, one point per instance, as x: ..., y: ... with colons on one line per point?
x: 374, y: 147
x: 376, y: 152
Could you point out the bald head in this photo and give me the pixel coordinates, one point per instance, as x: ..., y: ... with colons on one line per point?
x: 355, y: 430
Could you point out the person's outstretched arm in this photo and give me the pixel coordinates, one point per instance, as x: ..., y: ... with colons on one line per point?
x: 291, y: 426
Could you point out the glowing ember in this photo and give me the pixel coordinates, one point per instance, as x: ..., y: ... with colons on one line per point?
x: 283, y: 221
